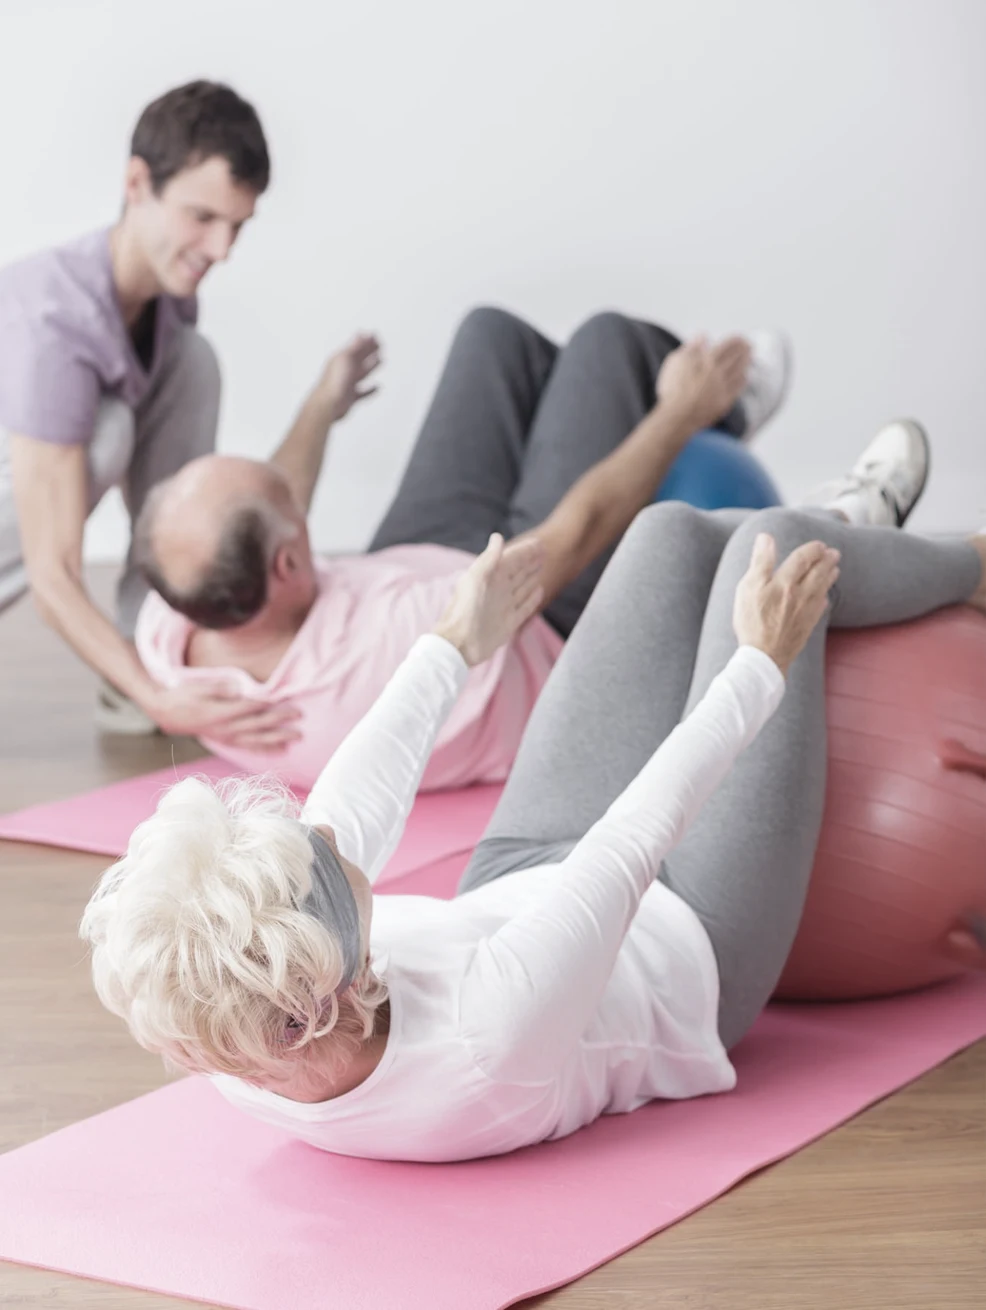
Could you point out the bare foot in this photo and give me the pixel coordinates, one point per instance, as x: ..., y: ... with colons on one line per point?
x: 978, y: 597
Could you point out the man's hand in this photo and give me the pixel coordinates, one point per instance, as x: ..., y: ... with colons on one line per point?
x: 300, y: 454
x: 340, y: 386
x: 206, y: 710
x: 494, y: 598
x: 703, y: 382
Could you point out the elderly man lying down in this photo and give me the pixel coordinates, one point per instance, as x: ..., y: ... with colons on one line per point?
x: 521, y: 438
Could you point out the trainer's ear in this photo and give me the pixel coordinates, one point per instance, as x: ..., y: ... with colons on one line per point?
x: 138, y: 184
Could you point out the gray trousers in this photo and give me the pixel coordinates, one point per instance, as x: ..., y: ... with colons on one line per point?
x: 655, y: 633
x: 133, y: 449
x: 515, y: 422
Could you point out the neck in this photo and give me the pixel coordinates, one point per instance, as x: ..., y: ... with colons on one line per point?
x: 258, y: 646
x: 357, y: 1070
x: 133, y: 278
x: 277, y: 623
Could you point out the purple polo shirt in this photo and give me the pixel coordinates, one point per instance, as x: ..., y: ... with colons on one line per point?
x: 64, y: 344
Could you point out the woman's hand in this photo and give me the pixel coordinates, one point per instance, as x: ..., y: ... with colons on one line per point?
x: 776, y: 611
x: 495, y: 597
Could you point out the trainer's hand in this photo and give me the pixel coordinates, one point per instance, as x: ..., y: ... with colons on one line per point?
x: 776, y: 609
x: 494, y: 598
x: 703, y: 382
x: 341, y: 385
x: 206, y: 710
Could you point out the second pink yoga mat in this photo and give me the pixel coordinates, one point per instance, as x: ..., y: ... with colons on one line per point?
x: 101, y: 821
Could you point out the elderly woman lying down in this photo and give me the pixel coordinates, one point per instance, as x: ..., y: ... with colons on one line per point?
x: 627, y: 914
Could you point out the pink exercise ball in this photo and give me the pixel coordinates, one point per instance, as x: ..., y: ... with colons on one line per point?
x: 898, y: 892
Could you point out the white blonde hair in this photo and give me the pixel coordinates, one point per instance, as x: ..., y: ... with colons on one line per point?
x: 200, y: 943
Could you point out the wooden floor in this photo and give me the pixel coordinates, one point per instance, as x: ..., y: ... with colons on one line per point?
x: 888, y: 1213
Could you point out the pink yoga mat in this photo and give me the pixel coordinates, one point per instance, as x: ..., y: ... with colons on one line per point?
x: 441, y: 824
x: 179, y: 1193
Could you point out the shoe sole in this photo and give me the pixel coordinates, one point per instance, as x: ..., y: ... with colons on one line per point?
x: 915, y: 426
x: 787, y: 352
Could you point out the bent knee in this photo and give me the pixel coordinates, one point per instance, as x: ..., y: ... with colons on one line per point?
x: 112, y: 445
x: 489, y: 323
x: 789, y: 527
x: 606, y: 325
x: 197, y: 359
x: 669, y: 518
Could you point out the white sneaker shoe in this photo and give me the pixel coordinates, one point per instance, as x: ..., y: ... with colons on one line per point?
x: 886, y: 481
x: 117, y: 714
x: 768, y: 379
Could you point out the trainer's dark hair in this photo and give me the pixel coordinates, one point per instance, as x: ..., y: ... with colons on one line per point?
x: 195, y: 122
x: 233, y: 588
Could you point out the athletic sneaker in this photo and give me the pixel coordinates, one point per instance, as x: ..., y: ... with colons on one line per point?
x: 119, y: 715
x: 886, y: 481
x: 768, y: 379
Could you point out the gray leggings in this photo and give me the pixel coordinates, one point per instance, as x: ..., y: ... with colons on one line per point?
x: 656, y: 631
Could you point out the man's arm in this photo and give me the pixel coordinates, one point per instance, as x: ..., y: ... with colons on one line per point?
x: 697, y: 385
x: 50, y: 491
x: 301, y: 453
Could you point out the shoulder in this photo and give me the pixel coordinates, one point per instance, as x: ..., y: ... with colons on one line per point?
x: 161, y: 637
x: 81, y: 265
x: 62, y: 291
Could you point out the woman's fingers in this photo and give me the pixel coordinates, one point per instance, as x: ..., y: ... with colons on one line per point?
x: 764, y: 557
x: 522, y: 563
x: 800, y: 561
x: 815, y: 587
x: 523, y: 552
x: 824, y: 572
x: 797, y: 565
x: 484, y: 565
x: 526, y: 605
x: 523, y: 576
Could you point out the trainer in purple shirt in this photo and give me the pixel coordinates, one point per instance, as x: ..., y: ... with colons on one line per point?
x: 104, y: 380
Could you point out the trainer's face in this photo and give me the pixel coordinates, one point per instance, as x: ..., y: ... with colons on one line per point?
x: 190, y: 224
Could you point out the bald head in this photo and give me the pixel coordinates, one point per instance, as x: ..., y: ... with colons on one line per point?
x: 207, y: 536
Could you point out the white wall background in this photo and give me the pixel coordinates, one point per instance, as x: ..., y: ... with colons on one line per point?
x: 709, y: 163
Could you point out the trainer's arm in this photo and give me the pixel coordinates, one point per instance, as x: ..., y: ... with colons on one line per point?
x: 50, y: 492
x: 51, y: 496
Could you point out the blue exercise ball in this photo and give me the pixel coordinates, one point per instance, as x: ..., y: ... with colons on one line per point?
x: 716, y: 471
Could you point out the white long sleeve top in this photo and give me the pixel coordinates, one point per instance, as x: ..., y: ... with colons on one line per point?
x: 530, y: 1006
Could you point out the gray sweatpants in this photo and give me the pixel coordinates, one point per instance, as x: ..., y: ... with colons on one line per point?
x: 655, y: 633
x: 133, y: 449
x: 515, y: 421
